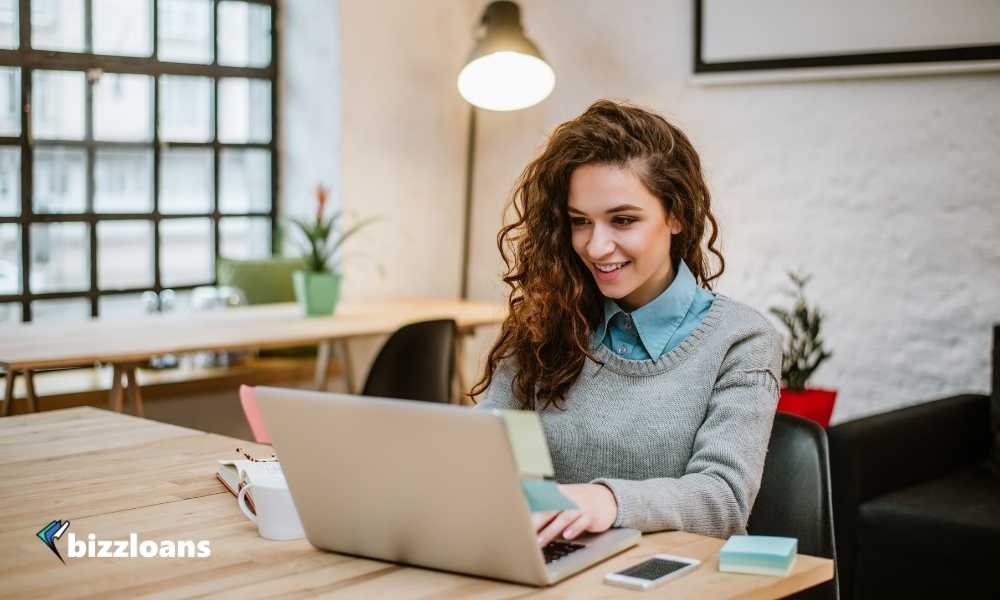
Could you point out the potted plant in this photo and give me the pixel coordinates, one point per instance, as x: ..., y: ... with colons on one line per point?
x: 317, y: 286
x: 803, y: 354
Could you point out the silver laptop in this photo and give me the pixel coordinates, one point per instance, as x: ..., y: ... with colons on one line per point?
x: 424, y: 484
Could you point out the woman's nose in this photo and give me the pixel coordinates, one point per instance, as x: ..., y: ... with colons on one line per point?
x: 600, y: 244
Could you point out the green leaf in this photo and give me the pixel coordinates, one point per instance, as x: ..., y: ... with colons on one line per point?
x: 804, y: 349
x: 351, y: 231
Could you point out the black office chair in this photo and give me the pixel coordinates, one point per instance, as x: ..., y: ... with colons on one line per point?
x: 794, y: 498
x: 416, y: 363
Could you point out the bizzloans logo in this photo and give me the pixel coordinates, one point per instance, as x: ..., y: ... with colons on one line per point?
x: 52, y: 532
x: 130, y: 548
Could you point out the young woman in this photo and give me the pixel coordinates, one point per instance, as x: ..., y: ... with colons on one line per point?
x: 657, y: 396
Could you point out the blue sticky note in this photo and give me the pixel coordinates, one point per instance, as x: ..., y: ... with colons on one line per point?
x: 543, y: 495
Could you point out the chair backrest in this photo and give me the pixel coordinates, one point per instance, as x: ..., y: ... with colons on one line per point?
x: 263, y: 281
x: 994, y: 461
x: 416, y: 363
x: 794, y: 498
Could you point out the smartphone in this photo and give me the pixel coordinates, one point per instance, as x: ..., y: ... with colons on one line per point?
x: 653, y: 572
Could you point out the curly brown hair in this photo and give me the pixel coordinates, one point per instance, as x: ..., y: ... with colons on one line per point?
x: 554, y: 301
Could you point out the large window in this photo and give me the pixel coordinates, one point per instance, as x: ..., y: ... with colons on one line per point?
x: 136, y: 147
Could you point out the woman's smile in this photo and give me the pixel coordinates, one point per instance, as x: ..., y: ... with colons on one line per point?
x: 609, y: 272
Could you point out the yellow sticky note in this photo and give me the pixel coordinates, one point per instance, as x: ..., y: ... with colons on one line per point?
x: 527, y: 439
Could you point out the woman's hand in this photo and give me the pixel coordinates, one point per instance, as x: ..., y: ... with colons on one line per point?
x: 596, y: 512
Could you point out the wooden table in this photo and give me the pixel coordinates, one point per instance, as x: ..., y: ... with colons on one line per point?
x: 128, y: 342
x: 112, y: 474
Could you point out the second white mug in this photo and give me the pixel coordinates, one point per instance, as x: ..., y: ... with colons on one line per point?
x: 276, y: 516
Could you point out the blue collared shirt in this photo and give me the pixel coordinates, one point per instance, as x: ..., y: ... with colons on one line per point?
x: 659, y: 325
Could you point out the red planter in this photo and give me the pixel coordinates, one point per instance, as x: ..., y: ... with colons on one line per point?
x: 814, y: 404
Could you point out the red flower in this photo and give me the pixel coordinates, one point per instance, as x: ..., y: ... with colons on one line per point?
x: 322, y: 194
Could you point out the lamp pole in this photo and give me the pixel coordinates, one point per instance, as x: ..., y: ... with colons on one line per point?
x: 470, y: 169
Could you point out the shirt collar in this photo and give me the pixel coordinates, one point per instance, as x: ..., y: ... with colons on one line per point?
x: 658, y: 320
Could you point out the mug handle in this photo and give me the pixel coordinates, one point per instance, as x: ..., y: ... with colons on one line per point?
x: 242, y: 501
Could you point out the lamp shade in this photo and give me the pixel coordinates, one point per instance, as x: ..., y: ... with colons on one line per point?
x: 505, y: 71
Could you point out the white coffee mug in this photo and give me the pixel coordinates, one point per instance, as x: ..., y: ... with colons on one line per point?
x: 276, y: 516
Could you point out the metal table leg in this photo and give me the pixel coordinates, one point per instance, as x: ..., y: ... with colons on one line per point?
x: 345, y: 358
x: 8, y: 403
x: 323, y: 365
x: 134, y: 393
x: 115, y: 396
x: 29, y: 389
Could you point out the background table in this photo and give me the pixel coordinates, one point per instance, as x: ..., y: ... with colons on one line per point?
x: 112, y: 474
x: 128, y: 342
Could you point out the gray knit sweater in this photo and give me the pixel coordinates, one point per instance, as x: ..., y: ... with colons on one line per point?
x: 681, y: 440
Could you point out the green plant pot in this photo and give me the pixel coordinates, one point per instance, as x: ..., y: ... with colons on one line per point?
x: 316, y: 292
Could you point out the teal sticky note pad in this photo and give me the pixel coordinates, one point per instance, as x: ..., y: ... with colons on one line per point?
x: 543, y: 495
x: 761, y: 554
x: 527, y: 440
x: 759, y: 547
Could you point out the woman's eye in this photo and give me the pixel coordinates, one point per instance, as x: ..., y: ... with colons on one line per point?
x: 578, y: 221
x: 624, y: 220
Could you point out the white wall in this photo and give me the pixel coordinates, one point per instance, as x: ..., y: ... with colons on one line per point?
x: 404, y: 151
x: 886, y: 190
x: 398, y: 141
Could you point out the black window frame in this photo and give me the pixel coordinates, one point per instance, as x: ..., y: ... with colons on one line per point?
x: 28, y: 60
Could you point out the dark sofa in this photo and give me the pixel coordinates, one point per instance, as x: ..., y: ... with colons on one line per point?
x: 916, y: 511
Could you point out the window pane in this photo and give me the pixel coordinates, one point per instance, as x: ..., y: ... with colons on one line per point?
x: 124, y: 254
x: 123, y: 108
x: 123, y: 27
x: 72, y: 309
x: 244, y: 110
x: 10, y: 181
x: 186, y: 180
x: 60, y: 257
x: 57, y: 25
x: 58, y: 104
x: 10, y: 258
x: 10, y: 100
x: 10, y: 313
x: 121, y: 305
x: 123, y: 181
x: 245, y: 181
x: 245, y: 237
x: 186, y: 31
x: 186, y: 250
x: 244, y: 34
x: 9, y: 32
x: 59, y: 180
x: 185, y: 108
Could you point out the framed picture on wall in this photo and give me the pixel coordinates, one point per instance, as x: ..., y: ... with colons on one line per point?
x: 807, y: 39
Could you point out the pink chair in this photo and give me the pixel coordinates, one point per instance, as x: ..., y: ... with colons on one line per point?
x: 252, y: 412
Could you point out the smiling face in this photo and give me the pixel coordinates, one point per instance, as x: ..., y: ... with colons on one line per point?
x: 621, y: 233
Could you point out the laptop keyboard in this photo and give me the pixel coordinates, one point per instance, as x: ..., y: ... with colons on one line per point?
x: 556, y: 550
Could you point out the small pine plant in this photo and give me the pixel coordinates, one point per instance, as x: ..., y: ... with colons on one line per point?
x: 804, y: 351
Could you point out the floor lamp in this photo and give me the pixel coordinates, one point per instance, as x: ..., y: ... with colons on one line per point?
x: 505, y: 71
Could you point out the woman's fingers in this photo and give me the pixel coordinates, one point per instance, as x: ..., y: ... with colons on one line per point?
x: 579, y: 526
x: 541, y: 519
x: 553, y: 529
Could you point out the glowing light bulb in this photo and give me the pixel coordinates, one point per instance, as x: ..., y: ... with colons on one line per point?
x: 506, y: 81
